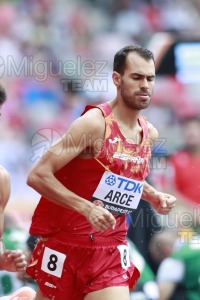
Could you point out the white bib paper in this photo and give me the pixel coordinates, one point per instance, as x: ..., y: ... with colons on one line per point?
x: 124, y: 254
x: 53, y: 261
x: 118, y: 194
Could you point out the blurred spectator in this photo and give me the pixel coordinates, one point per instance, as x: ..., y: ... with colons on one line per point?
x: 179, y: 265
x: 179, y: 173
x: 182, y: 176
x: 13, y: 236
x: 185, y: 163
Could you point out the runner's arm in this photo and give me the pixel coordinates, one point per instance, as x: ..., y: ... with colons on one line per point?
x: 161, y: 202
x: 5, y: 185
x: 4, y: 195
x: 42, y: 179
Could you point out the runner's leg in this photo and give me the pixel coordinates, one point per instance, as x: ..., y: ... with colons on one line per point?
x: 39, y: 295
x: 110, y: 293
x: 22, y: 293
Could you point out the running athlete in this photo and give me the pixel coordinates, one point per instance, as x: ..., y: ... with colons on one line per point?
x: 89, y: 181
x: 12, y: 261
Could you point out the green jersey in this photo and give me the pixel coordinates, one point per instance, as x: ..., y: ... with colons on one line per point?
x: 189, y: 254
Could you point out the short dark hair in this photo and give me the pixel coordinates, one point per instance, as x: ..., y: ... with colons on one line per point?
x: 121, y: 55
x: 3, y: 96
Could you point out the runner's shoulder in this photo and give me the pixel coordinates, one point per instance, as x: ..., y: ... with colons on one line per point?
x: 92, y: 121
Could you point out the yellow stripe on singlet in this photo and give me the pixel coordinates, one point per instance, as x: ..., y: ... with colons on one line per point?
x: 106, y: 168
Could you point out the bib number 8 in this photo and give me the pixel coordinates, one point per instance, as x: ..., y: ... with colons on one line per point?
x: 124, y: 256
x: 52, y: 262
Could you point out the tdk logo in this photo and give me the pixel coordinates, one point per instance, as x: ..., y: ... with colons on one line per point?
x: 124, y: 184
x: 110, y: 180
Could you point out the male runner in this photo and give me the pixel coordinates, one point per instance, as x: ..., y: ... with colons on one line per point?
x: 12, y: 261
x: 82, y: 253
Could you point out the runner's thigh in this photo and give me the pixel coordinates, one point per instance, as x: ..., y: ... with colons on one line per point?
x: 39, y: 296
x: 110, y: 293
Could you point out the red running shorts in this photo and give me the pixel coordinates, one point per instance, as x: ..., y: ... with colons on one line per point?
x: 68, y: 268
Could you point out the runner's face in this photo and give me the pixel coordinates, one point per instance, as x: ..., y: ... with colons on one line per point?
x: 137, y: 82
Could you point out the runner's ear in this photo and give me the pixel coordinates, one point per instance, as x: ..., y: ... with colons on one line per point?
x: 116, y: 79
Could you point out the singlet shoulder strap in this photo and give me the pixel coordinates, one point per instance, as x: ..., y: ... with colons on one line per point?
x: 105, y: 108
x: 88, y: 107
x: 143, y: 123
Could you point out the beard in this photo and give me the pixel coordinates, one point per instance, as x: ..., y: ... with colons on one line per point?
x: 130, y: 100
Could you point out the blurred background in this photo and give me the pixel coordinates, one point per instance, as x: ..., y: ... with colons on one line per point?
x: 56, y: 57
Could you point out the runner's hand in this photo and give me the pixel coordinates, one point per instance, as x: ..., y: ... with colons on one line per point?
x: 163, y: 203
x: 13, y: 261
x: 101, y: 219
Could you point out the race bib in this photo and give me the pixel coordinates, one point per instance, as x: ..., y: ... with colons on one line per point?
x: 117, y: 194
x: 124, y: 255
x: 52, y: 262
